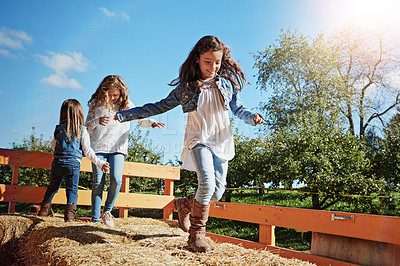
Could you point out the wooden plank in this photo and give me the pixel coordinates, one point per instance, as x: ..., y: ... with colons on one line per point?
x: 25, y: 158
x: 152, y: 171
x: 44, y: 160
x: 266, y: 234
x: 123, y: 212
x: 364, y: 226
x: 12, y: 193
x: 283, y: 252
x: 15, y: 175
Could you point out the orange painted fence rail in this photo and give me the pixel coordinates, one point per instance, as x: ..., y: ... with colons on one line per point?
x: 14, y: 193
x: 338, y: 238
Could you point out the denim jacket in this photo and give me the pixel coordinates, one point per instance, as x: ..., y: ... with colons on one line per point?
x: 188, y: 99
x: 65, y: 148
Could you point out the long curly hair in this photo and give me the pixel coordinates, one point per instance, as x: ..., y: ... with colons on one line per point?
x: 110, y: 82
x: 190, y: 72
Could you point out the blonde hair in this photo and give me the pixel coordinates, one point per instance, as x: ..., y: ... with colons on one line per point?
x: 72, y: 113
x: 110, y: 82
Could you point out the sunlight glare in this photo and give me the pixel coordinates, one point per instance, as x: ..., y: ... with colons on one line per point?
x: 381, y: 14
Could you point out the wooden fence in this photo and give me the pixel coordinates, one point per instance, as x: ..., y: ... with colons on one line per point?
x: 338, y: 238
x: 14, y: 193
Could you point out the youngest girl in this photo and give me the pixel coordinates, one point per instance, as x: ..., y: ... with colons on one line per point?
x: 71, y: 138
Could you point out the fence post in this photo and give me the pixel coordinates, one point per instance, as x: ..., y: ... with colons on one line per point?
x: 168, y: 190
x: 123, y: 212
x: 14, y: 181
x: 267, y: 234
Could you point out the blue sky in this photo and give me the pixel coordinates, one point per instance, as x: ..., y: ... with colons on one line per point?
x: 54, y: 50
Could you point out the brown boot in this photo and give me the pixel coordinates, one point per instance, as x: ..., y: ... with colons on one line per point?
x: 44, y: 209
x: 183, y: 206
x: 197, y: 231
x: 69, y: 214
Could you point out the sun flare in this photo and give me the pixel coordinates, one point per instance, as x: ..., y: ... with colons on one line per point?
x: 372, y: 13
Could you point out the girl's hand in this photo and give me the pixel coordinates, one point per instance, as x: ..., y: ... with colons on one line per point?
x: 258, y: 119
x: 105, y: 167
x: 115, y: 117
x: 157, y: 124
x: 104, y: 120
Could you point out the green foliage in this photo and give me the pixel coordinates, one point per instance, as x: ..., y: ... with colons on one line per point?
x: 188, y: 179
x: 319, y: 154
x: 245, y: 169
x: 34, y: 176
x: 301, y: 74
x: 142, y: 150
x: 391, y: 151
x: 316, y: 86
x: 5, y: 174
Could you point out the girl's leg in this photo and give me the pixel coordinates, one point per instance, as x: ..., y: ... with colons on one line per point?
x: 97, y: 188
x: 202, y: 158
x: 52, y: 188
x: 55, y: 182
x: 116, y: 161
x: 220, y: 172
x: 71, y: 173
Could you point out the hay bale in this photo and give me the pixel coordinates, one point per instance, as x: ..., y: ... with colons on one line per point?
x: 133, y: 241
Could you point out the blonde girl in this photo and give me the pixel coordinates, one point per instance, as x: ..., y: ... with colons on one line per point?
x: 110, y: 141
x: 71, y: 139
x: 208, y: 84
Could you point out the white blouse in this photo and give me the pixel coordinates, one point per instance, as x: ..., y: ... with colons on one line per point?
x: 112, y: 137
x: 208, y: 125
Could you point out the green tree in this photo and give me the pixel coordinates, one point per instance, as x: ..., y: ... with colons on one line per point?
x: 327, y: 160
x: 351, y: 71
x: 315, y: 93
x: 246, y: 168
x: 391, y: 153
x: 142, y: 150
x: 34, y: 176
x: 301, y: 73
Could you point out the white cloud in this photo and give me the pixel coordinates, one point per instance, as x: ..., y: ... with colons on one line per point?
x: 1, y: 92
x: 110, y: 14
x: 11, y: 39
x: 60, y: 80
x: 107, y: 12
x: 7, y: 53
x: 125, y: 16
x: 62, y: 64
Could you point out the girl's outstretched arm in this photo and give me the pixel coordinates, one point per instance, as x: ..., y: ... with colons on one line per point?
x: 150, y: 109
x: 145, y: 122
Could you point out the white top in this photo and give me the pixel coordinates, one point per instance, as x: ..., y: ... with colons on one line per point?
x: 112, y: 137
x: 209, y: 125
x: 87, y: 151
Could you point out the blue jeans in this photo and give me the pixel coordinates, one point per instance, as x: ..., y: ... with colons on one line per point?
x: 69, y: 169
x: 211, y: 174
x: 116, y: 161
